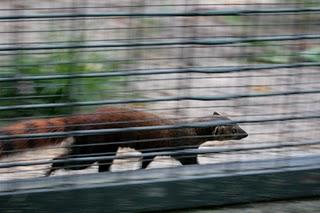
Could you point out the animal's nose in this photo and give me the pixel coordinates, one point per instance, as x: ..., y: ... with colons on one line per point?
x: 245, y: 135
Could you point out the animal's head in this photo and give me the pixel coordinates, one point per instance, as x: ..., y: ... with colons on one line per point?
x: 224, y: 131
x: 227, y: 132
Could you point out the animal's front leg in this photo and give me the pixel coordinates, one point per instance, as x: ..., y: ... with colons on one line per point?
x: 57, y: 165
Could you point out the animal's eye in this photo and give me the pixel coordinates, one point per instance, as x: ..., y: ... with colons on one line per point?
x: 234, y: 130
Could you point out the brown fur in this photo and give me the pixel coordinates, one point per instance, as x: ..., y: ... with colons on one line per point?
x: 113, y: 118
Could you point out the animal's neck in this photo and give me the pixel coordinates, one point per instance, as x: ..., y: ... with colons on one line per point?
x: 193, y: 136
x: 190, y: 137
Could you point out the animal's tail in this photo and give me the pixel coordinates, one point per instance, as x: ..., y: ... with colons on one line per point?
x: 13, y: 140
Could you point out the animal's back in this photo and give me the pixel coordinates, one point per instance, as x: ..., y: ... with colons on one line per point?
x: 112, y: 118
x: 103, y: 118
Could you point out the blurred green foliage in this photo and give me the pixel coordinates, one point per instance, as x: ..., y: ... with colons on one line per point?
x: 58, y: 90
x: 271, y: 53
x: 311, y: 54
x: 306, y: 3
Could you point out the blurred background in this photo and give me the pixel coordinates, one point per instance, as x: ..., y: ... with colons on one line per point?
x: 255, y: 61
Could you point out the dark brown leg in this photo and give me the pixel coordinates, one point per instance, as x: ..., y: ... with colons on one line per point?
x: 57, y: 165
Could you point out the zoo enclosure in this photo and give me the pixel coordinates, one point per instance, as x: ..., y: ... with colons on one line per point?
x: 255, y: 62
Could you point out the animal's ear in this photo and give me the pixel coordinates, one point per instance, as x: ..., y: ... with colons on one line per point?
x: 215, y: 113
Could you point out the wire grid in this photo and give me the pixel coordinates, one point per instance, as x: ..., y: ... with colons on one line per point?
x: 254, y: 61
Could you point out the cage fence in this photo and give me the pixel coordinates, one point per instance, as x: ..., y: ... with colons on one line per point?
x: 87, y: 86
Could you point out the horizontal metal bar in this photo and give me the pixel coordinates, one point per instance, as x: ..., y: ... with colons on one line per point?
x: 269, y: 44
x: 210, y: 106
x: 142, y: 72
x: 119, y: 91
x: 208, y: 57
x: 146, y: 100
x: 217, y: 41
x: 272, y: 24
x: 235, y: 12
x: 178, y: 152
x: 78, y: 8
x: 270, y: 103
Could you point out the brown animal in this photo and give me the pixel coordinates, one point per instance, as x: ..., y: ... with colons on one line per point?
x: 102, y: 144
